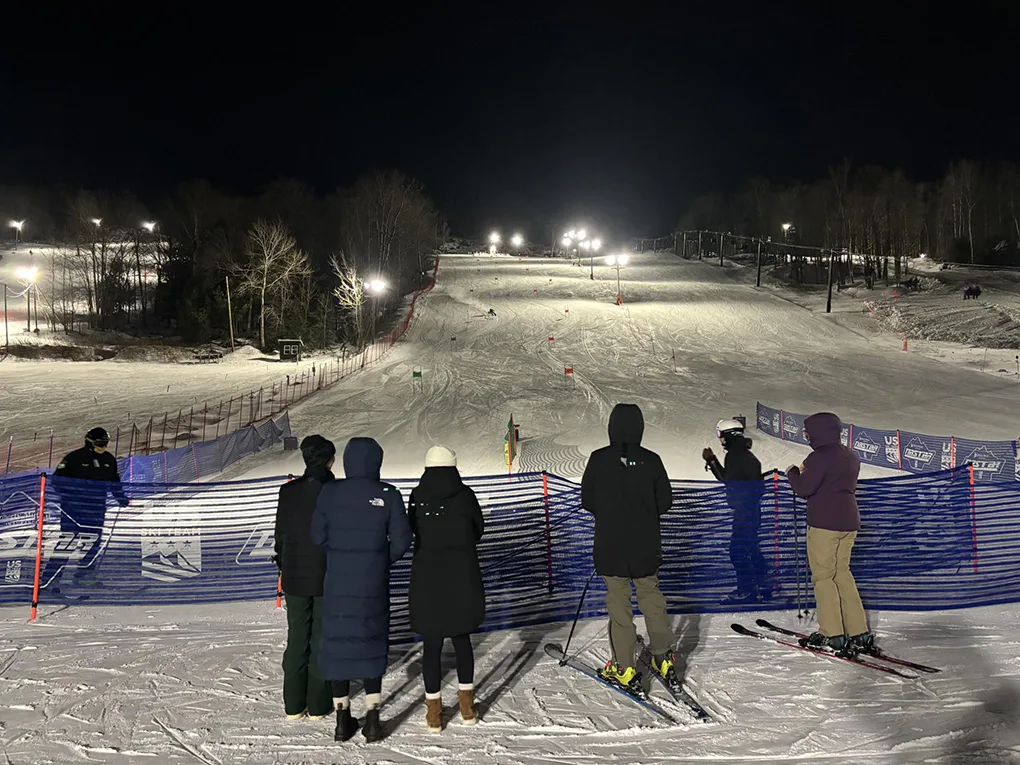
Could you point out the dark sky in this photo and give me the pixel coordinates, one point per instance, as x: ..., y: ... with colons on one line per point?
x: 516, y: 116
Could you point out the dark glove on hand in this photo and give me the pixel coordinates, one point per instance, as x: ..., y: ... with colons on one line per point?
x: 708, y: 455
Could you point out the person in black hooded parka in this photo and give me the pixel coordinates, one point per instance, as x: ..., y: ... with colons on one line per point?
x: 362, y: 524
x: 626, y: 488
x: 447, y: 597
x: 302, y: 568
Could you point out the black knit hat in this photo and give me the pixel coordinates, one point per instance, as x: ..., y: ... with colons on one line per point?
x: 317, y: 451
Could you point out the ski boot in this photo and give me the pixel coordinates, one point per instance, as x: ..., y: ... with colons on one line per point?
x: 865, y: 643
x: 372, y: 731
x: 346, y: 725
x: 627, y: 677
x: 838, y: 644
x: 664, y: 664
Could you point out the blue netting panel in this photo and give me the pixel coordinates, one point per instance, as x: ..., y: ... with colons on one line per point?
x: 933, y: 541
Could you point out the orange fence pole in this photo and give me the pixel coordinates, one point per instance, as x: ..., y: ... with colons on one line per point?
x: 38, y: 547
x: 973, y: 520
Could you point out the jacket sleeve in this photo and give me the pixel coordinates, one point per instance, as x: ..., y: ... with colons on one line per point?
x: 412, y: 520
x: 278, y: 532
x: 477, y: 519
x: 807, y: 482
x: 399, y: 528
x: 587, y: 486
x: 717, y: 470
x: 663, y: 490
x: 117, y: 487
x: 320, y: 521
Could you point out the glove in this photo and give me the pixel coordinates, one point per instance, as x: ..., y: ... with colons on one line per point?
x: 708, y: 455
x: 791, y: 469
x: 276, y: 560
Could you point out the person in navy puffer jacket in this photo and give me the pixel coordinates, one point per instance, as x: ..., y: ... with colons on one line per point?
x: 362, y: 524
x: 828, y: 481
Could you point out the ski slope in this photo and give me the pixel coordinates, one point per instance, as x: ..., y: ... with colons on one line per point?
x: 202, y: 684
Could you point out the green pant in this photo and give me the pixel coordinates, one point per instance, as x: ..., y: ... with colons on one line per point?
x: 303, y: 688
x: 622, y: 633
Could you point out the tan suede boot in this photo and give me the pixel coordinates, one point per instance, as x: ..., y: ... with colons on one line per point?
x: 434, y: 715
x: 467, y: 706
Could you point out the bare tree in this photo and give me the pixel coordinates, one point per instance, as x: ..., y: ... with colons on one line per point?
x: 350, y: 294
x: 274, y: 261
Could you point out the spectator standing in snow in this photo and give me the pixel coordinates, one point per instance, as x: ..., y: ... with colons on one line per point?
x: 302, y: 566
x: 362, y: 524
x: 744, y: 488
x: 828, y: 481
x: 447, y: 597
x: 626, y: 488
x: 82, y: 480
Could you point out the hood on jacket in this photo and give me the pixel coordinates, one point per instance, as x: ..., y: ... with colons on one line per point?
x: 626, y: 424
x: 823, y: 429
x: 438, y: 483
x: 363, y: 458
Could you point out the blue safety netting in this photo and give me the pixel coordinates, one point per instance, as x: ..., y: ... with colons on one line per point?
x: 933, y: 541
x: 903, y: 450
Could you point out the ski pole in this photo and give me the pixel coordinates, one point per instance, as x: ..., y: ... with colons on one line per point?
x: 577, y: 616
x: 796, y: 542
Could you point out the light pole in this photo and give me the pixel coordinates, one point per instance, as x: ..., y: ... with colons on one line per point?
x: 28, y: 274
x: 617, y: 261
x: 517, y: 240
x: 16, y: 225
x: 494, y: 240
x: 595, y: 246
x: 375, y: 289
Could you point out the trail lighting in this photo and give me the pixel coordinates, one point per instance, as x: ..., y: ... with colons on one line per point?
x: 26, y: 273
x: 17, y: 224
x: 97, y: 221
x: 567, y: 241
x: 582, y: 234
x: 375, y: 286
x: 786, y: 227
x: 149, y: 226
x: 517, y: 240
x: 494, y: 238
x: 596, y: 244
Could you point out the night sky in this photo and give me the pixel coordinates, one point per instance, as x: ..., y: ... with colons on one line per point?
x: 513, y: 116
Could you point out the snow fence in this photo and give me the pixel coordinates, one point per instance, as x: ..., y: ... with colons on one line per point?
x: 934, y: 541
x: 903, y: 450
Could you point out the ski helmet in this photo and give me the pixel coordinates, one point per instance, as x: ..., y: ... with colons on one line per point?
x: 725, y: 428
x: 98, y: 437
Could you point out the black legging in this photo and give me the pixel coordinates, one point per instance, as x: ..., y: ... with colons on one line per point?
x: 432, y: 661
x: 342, y: 688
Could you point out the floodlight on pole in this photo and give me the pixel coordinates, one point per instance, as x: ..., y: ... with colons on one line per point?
x: 494, y: 237
x: 596, y: 244
x: 517, y: 240
x: 617, y: 261
x: 786, y: 227
x: 572, y: 234
x: 27, y: 273
x: 97, y: 221
x: 375, y: 286
x: 149, y: 226
x: 567, y: 241
x: 582, y: 234
x: 16, y: 225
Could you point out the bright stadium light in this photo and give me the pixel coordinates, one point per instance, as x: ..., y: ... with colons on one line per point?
x: 567, y: 241
x: 98, y: 221
x: 375, y: 286
x: 149, y: 226
x: 517, y: 240
x: 494, y: 238
x: 492, y: 249
x: 572, y: 234
x: 786, y: 227
x: 596, y: 244
x: 17, y: 224
x: 582, y: 234
x: 26, y: 273
x: 585, y: 244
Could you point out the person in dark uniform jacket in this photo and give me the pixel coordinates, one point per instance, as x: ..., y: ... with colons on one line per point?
x: 83, y: 505
x: 302, y: 568
x: 741, y: 472
x: 446, y: 597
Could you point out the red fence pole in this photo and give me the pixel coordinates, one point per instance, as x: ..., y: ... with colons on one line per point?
x: 973, y: 520
x: 548, y: 529
x: 775, y: 545
x: 899, y: 451
x: 38, y: 547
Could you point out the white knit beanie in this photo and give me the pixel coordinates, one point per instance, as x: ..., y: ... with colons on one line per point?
x: 440, y: 456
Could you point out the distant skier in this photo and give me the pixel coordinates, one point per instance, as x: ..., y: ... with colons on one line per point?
x: 361, y: 523
x: 869, y: 275
x: 492, y: 313
x: 744, y: 488
x: 626, y: 488
x: 446, y: 595
x: 82, y: 481
x: 303, y: 567
x: 828, y: 480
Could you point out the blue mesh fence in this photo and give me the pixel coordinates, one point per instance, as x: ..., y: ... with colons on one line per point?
x: 903, y: 450
x: 933, y: 541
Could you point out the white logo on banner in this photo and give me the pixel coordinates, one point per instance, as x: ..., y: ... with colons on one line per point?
x: 918, y: 454
x: 171, y: 554
x: 984, y: 461
x: 259, y: 547
x: 865, y: 446
x: 13, y: 573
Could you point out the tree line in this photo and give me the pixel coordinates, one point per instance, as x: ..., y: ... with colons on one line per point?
x: 286, y: 262
x: 970, y: 215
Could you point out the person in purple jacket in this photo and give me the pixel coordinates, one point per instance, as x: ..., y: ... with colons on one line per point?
x: 828, y: 481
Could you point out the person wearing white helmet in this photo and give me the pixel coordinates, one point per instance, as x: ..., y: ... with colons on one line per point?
x: 741, y: 472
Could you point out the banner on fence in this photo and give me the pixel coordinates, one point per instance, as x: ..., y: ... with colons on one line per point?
x: 903, y: 450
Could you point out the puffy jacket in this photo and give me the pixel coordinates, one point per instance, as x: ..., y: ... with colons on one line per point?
x: 86, y: 464
x: 829, y: 478
x: 302, y: 562
x: 741, y: 471
x: 626, y: 488
x: 361, y: 523
x: 447, y: 597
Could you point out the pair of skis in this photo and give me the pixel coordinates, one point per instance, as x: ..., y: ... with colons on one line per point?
x: 635, y: 692
x: 871, y: 661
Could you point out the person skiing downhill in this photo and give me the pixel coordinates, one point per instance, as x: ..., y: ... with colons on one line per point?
x: 741, y: 472
x: 828, y: 481
x: 626, y: 488
x: 361, y: 523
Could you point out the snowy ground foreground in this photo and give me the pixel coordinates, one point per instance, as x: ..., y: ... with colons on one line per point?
x: 734, y: 345
x: 203, y: 685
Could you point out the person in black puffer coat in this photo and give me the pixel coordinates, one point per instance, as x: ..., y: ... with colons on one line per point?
x: 626, y: 488
x: 302, y: 568
x: 447, y: 597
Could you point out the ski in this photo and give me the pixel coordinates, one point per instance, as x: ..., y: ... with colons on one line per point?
x: 674, y: 687
x: 637, y: 696
x: 740, y: 629
x: 880, y: 655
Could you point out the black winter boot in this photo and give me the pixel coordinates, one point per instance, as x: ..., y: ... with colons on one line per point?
x: 346, y: 725
x: 372, y: 731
